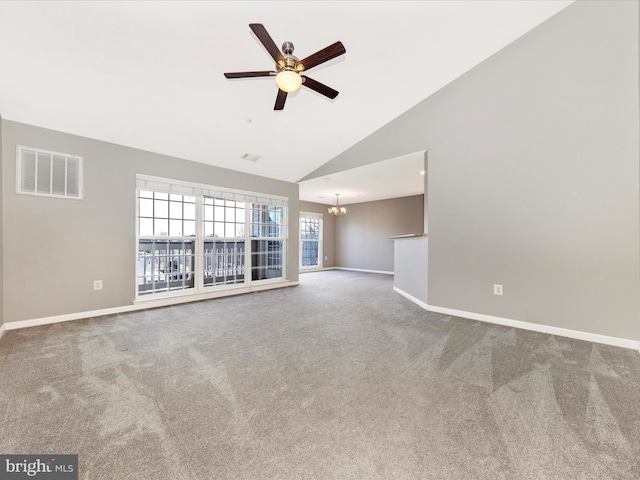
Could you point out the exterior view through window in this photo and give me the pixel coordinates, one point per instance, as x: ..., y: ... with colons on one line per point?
x: 224, y: 241
x: 166, y: 228
x: 267, y: 242
x: 201, y: 242
x: 310, y: 240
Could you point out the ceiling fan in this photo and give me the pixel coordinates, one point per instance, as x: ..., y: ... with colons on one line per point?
x: 289, y: 69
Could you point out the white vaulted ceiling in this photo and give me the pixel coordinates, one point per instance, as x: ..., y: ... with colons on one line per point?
x: 149, y: 74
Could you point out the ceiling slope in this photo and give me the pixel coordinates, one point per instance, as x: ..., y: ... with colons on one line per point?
x: 149, y: 74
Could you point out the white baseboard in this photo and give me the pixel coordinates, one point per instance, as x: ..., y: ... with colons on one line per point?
x: 319, y: 269
x: 363, y: 270
x: 411, y: 297
x: 536, y: 327
x: 142, y: 305
x: 2, y: 329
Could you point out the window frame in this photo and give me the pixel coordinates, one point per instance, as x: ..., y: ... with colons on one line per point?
x: 199, y: 191
x: 320, y: 218
x: 169, y: 239
x: 224, y: 239
x: 281, y: 228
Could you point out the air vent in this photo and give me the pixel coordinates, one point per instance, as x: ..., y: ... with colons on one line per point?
x: 50, y: 174
x: 250, y: 158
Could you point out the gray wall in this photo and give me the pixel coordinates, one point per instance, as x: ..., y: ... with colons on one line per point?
x: 426, y: 192
x: 362, y: 235
x: 1, y: 234
x: 533, y: 177
x: 411, y: 260
x: 55, y: 248
x: 328, y: 230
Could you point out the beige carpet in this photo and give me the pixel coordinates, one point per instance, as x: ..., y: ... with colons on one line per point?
x: 338, y: 378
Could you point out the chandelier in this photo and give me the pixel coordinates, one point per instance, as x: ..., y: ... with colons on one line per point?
x: 337, y: 210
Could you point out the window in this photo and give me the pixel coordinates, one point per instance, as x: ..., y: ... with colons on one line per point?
x: 310, y: 240
x: 201, y: 238
x: 162, y: 214
x: 224, y: 254
x: 165, y: 265
x: 267, y: 241
x: 166, y: 244
x: 50, y: 174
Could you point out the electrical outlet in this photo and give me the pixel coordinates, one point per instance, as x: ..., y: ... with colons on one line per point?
x: 497, y: 289
x: 97, y: 284
x: 326, y: 258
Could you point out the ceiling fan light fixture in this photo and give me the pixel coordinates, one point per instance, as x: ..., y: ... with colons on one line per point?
x: 288, y: 81
x: 288, y: 68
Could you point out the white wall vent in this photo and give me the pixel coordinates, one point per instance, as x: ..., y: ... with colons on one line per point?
x: 250, y: 157
x: 50, y: 174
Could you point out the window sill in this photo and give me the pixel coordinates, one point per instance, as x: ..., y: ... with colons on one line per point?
x: 183, y: 296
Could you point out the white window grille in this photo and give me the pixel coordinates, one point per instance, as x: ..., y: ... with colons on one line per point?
x: 49, y: 174
x: 166, y: 243
x: 310, y: 240
x: 267, y: 241
x: 224, y: 224
x: 199, y: 237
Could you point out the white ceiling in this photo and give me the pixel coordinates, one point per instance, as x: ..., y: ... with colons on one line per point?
x: 149, y: 74
x: 392, y: 178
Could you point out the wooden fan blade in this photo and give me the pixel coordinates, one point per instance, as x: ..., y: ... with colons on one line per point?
x: 280, y: 99
x: 248, y: 74
x: 324, y: 55
x: 267, y: 41
x: 319, y: 87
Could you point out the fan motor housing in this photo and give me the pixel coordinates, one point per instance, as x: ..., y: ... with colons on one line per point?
x: 290, y: 61
x: 287, y: 48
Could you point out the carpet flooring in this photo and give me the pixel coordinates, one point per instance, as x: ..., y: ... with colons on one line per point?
x: 337, y: 378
